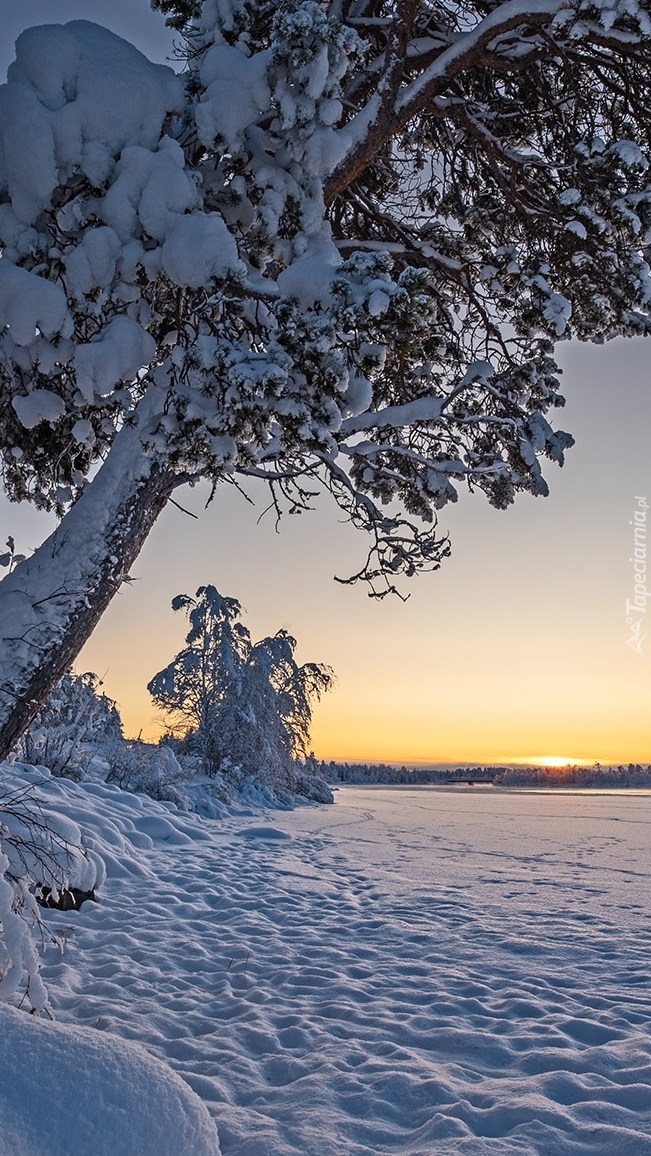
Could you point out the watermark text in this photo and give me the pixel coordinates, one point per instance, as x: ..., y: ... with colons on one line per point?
x: 636, y: 607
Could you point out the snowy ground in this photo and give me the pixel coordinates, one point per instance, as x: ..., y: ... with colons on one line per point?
x: 422, y: 972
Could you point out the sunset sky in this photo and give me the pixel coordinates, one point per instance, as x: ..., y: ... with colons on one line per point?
x: 514, y: 651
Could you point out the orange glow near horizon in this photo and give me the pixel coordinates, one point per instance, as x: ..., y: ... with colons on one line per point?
x: 413, y: 719
x: 406, y: 716
x: 365, y: 751
x: 401, y: 733
x: 369, y: 723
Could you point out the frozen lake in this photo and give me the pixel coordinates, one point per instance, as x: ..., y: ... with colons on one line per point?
x: 423, y: 972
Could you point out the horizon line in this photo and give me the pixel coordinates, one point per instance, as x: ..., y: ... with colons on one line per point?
x: 540, y: 762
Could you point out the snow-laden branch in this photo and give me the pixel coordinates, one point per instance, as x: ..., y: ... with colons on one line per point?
x: 394, y: 416
x: 465, y: 52
x: 385, y: 114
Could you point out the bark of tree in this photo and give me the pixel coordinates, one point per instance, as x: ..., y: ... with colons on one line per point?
x: 52, y: 601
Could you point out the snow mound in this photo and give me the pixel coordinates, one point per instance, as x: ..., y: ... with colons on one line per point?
x: 70, y: 1091
x: 269, y: 833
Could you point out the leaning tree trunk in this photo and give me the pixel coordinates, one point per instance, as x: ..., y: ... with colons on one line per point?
x: 51, y: 602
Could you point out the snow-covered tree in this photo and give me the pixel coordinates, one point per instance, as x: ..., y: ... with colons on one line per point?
x: 250, y: 704
x: 262, y: 725
x: 336, y: 250
x: 216, y: 648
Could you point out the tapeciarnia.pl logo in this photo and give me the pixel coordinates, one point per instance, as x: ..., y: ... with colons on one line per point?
x: 636, y: 610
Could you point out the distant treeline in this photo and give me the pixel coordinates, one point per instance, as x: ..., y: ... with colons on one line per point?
x: 361, y: 773
x: 632, y: 775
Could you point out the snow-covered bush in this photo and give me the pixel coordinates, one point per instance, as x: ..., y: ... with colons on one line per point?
x: 76, y: 718
x: 42, y: 857
x: 310, y: 782
x: 153, y: 770
x: 18, y: 954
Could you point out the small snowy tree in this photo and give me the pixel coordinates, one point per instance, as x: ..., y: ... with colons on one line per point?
x: 335, y: 251
x: 251, y: 704
x: 216, y: 648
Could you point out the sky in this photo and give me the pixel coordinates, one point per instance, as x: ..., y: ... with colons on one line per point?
x: 515, y: 650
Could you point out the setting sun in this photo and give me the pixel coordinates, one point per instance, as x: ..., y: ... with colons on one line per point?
x: 555, y: 761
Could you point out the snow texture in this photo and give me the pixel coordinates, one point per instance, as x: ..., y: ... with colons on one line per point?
x: 236, y: 93
x: 410, y: 971
x: 119, y: 351
x: 39, y: 405
x: 28, y: 303
x: 199, y: 248
x: 71, y: 1091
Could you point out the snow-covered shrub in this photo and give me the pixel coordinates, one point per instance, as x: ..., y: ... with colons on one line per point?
x: 310, y: 783
x: 18, y: 954
x: 153, y: 770
x: 75, y: 719
x: 41, y: 855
